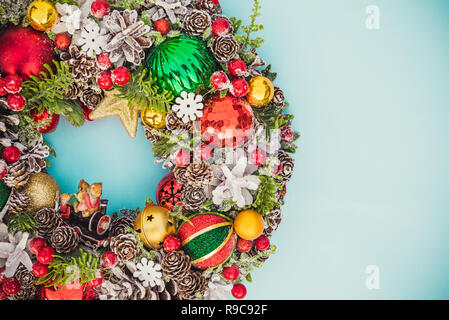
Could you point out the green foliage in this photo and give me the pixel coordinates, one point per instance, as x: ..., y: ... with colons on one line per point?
x: 23, y: 221
x: 129, y: 4
x: 144, y: 253
x: 13, y: 11
x: 272, y: 117
x: 169, y: 143
x: 179, y: 217
x: 266, y: 195
x: 245, y: 37
x: 269, y: 74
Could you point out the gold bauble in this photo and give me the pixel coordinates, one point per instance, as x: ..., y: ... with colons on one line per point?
x: 260, y: 92
x: 153, y: 225
x: 43, y: 191
x: 42, y: 15
x: 153, y: 118
x: 249, y: 224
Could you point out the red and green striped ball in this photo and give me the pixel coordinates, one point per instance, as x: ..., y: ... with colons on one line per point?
x: 210, y: 240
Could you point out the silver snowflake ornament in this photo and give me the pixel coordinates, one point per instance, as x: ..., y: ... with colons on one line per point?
x: 91, y: 38
x: 188, y: 107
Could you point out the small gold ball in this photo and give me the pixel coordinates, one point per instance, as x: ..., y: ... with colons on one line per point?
x: 260, y: 92
x: 42, y: 15
x: 153, y: 225
x: 43, y: 191
x: 152, y: 118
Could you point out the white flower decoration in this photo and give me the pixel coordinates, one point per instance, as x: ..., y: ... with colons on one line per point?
x: 188, y: 106
x: 70, y: 20
x: 13, y: 251
x: 217, y: 289
x: 149, y: 273
x: 91, y: 38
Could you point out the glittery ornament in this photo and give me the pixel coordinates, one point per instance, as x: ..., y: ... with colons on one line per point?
x: 5, y: 191
x: 153, y: 225
x: 182, y: 63
x: 249, y: 224
x: 153, y: 118
x: 226, y: 121
x: 43, y: 191
x: 261, y: 91
x: 168, y: 192
x: 42, y: 15
x: 208, y: 239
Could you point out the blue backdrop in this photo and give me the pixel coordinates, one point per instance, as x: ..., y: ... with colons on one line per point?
x: 371, y: 180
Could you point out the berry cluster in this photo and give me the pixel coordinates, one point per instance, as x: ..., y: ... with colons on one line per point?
x: 8, y: 286
x: 238, y: 86
x: 11, y: 86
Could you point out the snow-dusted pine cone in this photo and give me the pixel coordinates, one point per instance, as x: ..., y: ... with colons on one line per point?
x: 18, y: 202
x: 153, y: 138
x: 196, y: 22
x: 193, y: 198
x: 26, y: 278
x: 18, y: 174
x: 64, y: 239
x: 287, y: 166
x: 47, y: 220
x: 119, y: 225
x: 73, y: 91
x: 209, y: 6
x: 173, y: 123
x: 169, y: 292
x: 91, y: 97
x: 176, y: 265
x: 83, y: 67
x: 274, y: 219
x: 281, y: 193
x: 278, y: 97
x: 25, y: 293
x: 192, y: 285
x: 125, y: 246
x: 173, y: 10
x: 199, y: 174
x: 180, y: 175
x: 224, y: 48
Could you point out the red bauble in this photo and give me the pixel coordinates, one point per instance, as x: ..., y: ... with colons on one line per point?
x: 203, y: 152
x: 287, y: 134
x: 172, y: 243
x: 231, y: 273
x: 71, y: 291
x: 86, y: 112
x: 2, y: 275
x: 11, y: 286
x: 103, y: 61
x: 239, y: 291
x: 182, y: 158
x: 11, y: 154
x: 45, y: 122
x: 3, y: 295
x: 226, y: 122
x: 168, y: 192
x: 3, y: 169
x: 219, y: 80
x: 239, y: 88
x: 104, y: 80
x: 237, y: 68
x: 13, y: 83
x: 97, y: 281
x: 221, y: 27
x: 16, y: 102
x: 39, y: 269
x: 121, y: 76
x: 244, y: 245
x: 262, y: 243
x: 3, y: 91
x: 45, y: 255
x: 109, y: 260
x: 62, y: 41
x: 100, y: 8
x: 36, y: 244
x: 258, y: 157
x: 162, y: 25
x: 24, y: 51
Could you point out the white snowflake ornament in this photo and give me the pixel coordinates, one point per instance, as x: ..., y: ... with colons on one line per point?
x: 91, y: 38
x: 70, y: 20
x: 188, y: 106
x: 149, y: 273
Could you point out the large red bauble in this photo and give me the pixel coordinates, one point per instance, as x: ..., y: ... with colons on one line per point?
x: 24, y: 51
x: 168, y: 192
x: 227, y: 122
x: 45, y: 121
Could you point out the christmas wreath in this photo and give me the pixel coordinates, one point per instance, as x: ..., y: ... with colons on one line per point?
x: 207, y: 102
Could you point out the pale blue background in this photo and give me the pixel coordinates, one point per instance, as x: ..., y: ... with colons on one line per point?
x: 371, y: 181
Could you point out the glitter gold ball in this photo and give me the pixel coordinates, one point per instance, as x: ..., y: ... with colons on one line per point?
x: 260, y: 92
x: 42, y: 15
x: 153, y: 118
x: 43, y: 191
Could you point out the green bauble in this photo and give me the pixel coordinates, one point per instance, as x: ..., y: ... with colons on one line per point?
x: 182, y: 64
x: 4, y: 194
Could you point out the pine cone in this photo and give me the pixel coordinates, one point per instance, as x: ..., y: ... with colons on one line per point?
x: 73, y: 91
x: 199, y: 174
x: 196, y: 22
x: 47, y: 220
x: 169, y: 292
x: 91, y: 97
x: 119, y: 225
x: 36, y: 154
x: 18, y: 202
x: 64, y: 239
x: 287, y: 166
x: 125, y: 246
x: 209, y: 6
x: 176, y: 265
x: 26, y: 278
x: 18, y: 174
x: 281, y: 193
x: 193, y: 198
x: 83, y: 67
x: 24, y: 294
x: 173, y: 123
x: 180, y: 175
x: 274, y: 220
x: 153, y: 138
x: 278, y: 97
x: 224, y: 48
x: 191, y: 285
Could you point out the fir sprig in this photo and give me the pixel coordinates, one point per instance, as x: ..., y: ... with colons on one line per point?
x: 143, y: 251
x: 245, y: 38
x: 22, y: 221
x: 266, y: 195
x: 169, y: 144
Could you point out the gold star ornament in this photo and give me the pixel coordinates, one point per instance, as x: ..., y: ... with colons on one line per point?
x: 110, y: 106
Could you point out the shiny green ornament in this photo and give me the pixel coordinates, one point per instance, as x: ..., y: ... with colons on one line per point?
x: 182, y: 63
x: 4, y: 194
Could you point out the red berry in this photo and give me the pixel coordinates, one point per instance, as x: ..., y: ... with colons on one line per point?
x: 103, y: 61
x: 203, y: 152
x: 16, y: 102
x: 2, y: 87
x: 239, y: 291
x: 258, y: 157
x: 121, y: 76
x: 3, y: 169
x: 62, y: 41
x: 182, y: 159
x: 287, y: 134
x: 2, y: 275
x: 3, y: 295
x: 36, y: 244
x: 97, y: 281
x: 11, y: 286
x: 244, y: 245
x: 100, y: 8
x: 262, y: 243
x: 39, y: 269
x: 237, y: 67
x: 13, y: 83
x: 231, y: 273
x: 219, y: 80
x: 45, y: 255
x: 162, y: 25
x: 108, y: 260
x: 221, y: 26
x: 239, y: 88
x: 172, y: 243
x: 104, y: 80
x: 11, y: 154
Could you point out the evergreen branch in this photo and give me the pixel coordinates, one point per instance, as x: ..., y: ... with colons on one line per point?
x: 169, y: 144
x: 176, y: 214
x: 245, y: 39
x: 23, y: 221
x: 143, y: 251
x: 266, y: 195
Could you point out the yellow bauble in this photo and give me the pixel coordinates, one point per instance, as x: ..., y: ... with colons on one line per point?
x: 152, y: 118
x: 153, y: 225
x: 249, y: 224
x: 43, y: 191
x: 42, y: 15
x: 260, y: 92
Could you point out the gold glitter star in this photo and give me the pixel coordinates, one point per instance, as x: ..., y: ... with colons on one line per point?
x: 110, y: 106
